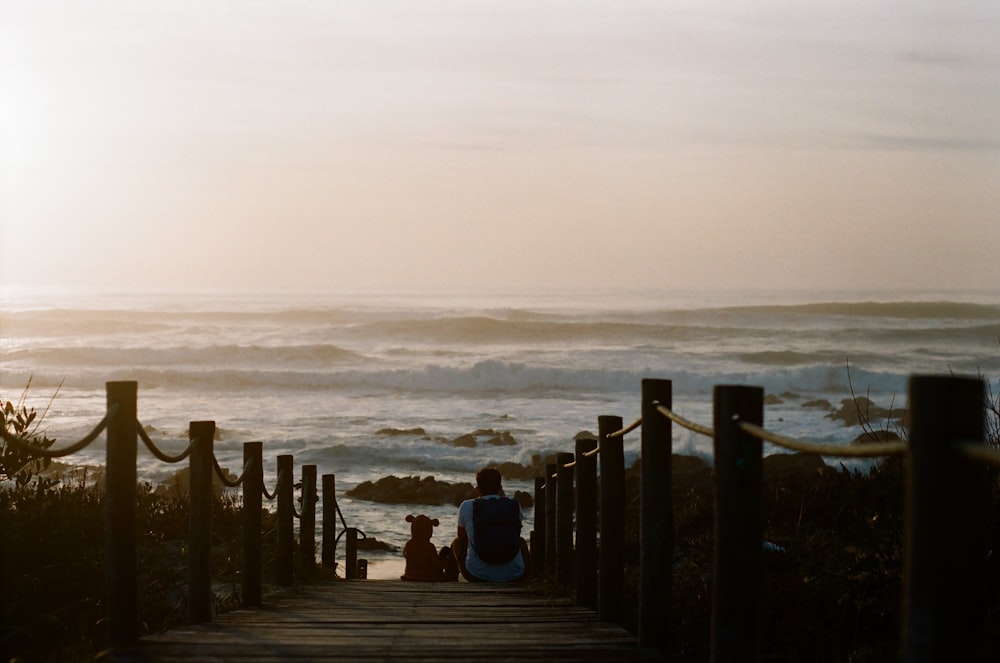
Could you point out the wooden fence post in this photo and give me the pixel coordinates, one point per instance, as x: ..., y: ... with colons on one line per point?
x: 285, y: 525
x: 738, y: 524
x: 329, y: 557
x: 120, y: 514
x: 586, y: 524
x: 610, y: 594
x: 253, y: 504
x: 202, y: 437
x: 564, y: 519
x: 550, y: 519
x: 946, y: 500
x: 656, y: 521
x: 538, y: 534
x: 351, y: 554
x: 307, y: 521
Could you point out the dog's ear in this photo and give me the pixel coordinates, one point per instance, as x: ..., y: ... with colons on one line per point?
x: 435, y: 522
x: 410, y: 518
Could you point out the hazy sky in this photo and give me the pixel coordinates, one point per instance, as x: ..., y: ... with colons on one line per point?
x: 499, y: 144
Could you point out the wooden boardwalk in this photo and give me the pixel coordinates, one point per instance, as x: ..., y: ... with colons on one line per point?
x: 391, y: 620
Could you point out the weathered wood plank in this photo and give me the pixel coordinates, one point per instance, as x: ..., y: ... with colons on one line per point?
x: 392, y: 620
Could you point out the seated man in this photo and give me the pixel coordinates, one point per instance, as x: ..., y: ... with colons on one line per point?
x: 489, y: 546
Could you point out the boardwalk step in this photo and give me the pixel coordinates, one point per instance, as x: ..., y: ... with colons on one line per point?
x: 397, y: 621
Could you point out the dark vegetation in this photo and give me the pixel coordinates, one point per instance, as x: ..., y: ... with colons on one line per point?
x: 16, y: 464
x: 831, y: 587
x: 831, y: 583
x: 53, y: 566
x: 832, y: 594
x: 52, y: 555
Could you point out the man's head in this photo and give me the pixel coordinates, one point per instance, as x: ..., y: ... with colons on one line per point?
x: 488, y: 481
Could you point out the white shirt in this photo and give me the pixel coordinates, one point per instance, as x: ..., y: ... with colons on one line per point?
x: 511, y: 570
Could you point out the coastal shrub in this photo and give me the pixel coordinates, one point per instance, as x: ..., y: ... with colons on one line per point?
x: 52, y: 550
x: 992, y: 415
x: 833, y: 591
x: 53, y: 579
x: 894, y: 421
x: 16, y: 418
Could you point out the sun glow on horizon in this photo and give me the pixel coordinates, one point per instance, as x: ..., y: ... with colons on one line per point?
x: 389, y: 145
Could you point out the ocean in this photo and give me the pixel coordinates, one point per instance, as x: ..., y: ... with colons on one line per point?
x: 341, y: 381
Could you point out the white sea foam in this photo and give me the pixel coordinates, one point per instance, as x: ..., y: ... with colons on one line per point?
x: 318, y: 377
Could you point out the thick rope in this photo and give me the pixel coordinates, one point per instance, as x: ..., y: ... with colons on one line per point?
x: 867, y: 450
x: 684, y: 423
x: 586, y: 454
x: 269, y: 496
x: 25, y: 447
x: 628, y: 429
x: 618, y: 433
x: 232, y: 483
x: 979, y: 452
x: 296, y: 512
x: 160, y: 454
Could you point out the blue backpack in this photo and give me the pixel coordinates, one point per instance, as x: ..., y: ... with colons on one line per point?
x: 496, y: 529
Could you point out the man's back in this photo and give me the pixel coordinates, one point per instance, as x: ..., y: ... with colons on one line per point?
x: 489, y: 544
x: 511, y: 569
x: 496, y: 529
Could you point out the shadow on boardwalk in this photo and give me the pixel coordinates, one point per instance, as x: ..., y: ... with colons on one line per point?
x: 385, y: 620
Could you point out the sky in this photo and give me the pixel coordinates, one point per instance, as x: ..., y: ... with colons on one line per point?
x: 499, y: 144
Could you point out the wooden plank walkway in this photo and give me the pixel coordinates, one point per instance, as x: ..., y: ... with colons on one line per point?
x: 391, y: 620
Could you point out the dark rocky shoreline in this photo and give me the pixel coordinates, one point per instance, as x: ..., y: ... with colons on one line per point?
x: 690, y: 473
x: 426, y: 491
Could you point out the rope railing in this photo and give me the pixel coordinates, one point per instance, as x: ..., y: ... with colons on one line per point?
x: 159, y: 453
x: 25, y: 447
x: 618, y: 433
x: 296, y: 512
x: 682, y: 422
x: 628, y: 429
x: 944, y: 494
x: 570, y: 486
x: 124, y: 430
x: 940, y: 449
x: 588, y: 454
x: 226, y: 481
x: 596, y: 450
x: 978, y: 452
x: 270, y: 497
x: 866, y: 450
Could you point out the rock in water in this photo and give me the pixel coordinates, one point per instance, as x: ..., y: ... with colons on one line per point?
x: 413, y: 490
